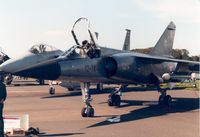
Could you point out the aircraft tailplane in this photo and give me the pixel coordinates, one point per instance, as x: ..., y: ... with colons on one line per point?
x: 165, y: 44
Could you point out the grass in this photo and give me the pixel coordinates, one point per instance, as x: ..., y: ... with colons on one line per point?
x: 185, y: 85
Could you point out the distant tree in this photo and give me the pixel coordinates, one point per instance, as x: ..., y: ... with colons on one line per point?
x: 185, y: 54
x: 195, y: 58
x: 176, y: 53
x: 145, y: 51
x: 180, y: 54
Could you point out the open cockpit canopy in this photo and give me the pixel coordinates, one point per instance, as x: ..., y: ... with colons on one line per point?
x: 41, y: 48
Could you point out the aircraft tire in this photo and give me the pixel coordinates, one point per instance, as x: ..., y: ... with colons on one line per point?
x: 90, y: 112
x: 70, y: 89
x: 52, y: 91
x: 167, y: 100
x: 41, y: 82
x: 161, y: 100
x: 116, y: 100
x: 110, y: 103
x: 83, y: 112
x: 8, y: 83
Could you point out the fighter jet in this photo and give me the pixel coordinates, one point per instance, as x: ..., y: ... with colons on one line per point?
x: 90, y: 63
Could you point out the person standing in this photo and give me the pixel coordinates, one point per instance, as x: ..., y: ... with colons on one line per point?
x: 3, y: 95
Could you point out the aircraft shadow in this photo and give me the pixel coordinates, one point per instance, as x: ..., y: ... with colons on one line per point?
x: 105, y: 91
x: 28, y: 84
x: 78, y: 93
x: 179, y: 105
x: 58, y: 135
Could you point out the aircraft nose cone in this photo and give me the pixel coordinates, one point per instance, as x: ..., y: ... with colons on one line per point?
x: 19, y: 63
x: 9, y: 66
x: 19, y: 67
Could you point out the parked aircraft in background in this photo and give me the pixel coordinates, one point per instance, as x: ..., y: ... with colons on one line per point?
x: 4, y: 57
x: 89, y: 63
x: 37, y: 54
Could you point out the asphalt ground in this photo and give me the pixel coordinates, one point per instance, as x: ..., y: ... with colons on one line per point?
x: 139, y: 115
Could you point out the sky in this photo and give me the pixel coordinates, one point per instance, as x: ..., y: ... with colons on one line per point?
x: 24, y: 23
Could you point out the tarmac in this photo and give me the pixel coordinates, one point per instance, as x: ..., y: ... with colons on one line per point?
x: 140, y: 115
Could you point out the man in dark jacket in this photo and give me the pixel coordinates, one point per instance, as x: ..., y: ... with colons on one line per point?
x: 3, y: 95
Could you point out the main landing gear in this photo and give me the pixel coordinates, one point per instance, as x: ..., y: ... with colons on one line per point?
x: 99, y: 87
x: 52, y: 89
x: 88, y: 110
x: 164, y: 99
x: 114, y: 98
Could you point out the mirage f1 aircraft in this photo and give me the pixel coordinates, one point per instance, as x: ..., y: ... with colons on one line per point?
x: 88, y: 63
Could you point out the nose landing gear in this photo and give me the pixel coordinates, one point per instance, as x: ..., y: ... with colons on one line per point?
x: 88, y: 110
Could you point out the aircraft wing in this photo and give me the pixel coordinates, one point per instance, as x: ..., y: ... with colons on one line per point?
x: 158, y: 59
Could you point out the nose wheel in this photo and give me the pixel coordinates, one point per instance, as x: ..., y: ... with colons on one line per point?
x: 87, y: 112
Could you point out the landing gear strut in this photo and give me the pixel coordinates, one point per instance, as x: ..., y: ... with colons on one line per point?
x: 88, y: 110
x: 114, y: 98
x: 99, y: 87
x: 164, y: 99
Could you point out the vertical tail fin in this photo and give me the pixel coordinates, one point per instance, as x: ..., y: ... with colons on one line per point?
x: 127, y: 40
x: 164, y: 45
x: 97, y: 35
